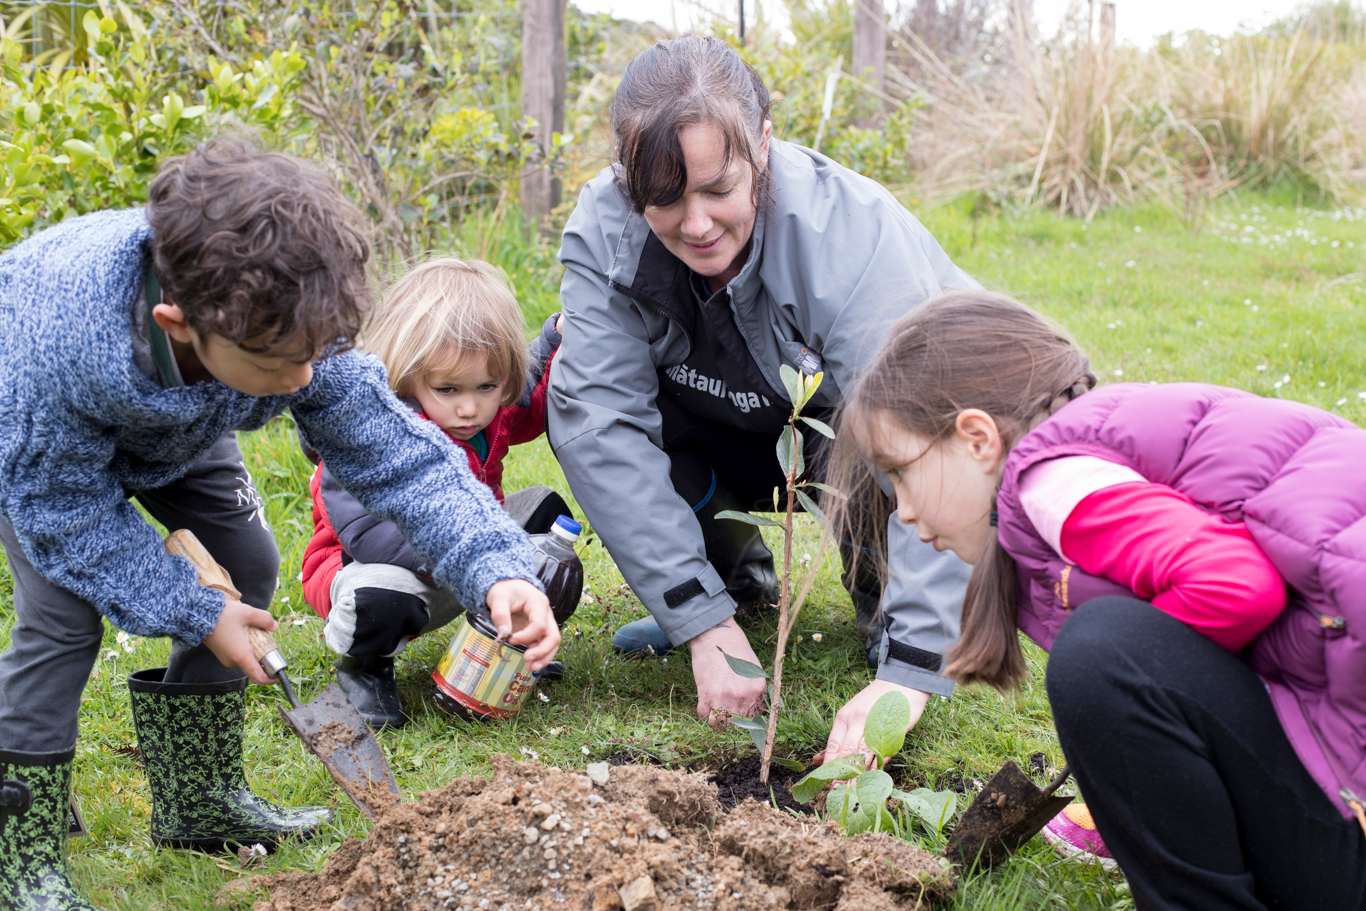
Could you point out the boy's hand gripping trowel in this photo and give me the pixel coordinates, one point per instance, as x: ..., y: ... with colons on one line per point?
x: 330, y: 726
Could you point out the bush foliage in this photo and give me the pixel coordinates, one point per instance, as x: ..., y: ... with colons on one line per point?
x: 415, y: 106
x: 78, y: 139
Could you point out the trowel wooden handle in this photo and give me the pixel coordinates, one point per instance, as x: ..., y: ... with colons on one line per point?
x: 183, y: 543
x: 267, y: 652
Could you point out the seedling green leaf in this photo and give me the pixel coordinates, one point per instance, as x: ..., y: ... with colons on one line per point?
x: 744, y: 668
x: 746, y: 517
x: 934, y: 808
x: 842, y: 800
x: 816, y: 780
x: 787, y: 455
x: 825, y: 487
x: 885, y: 730
x: 812, y: 383
x: 874, y: 787
x: 756, y: 726
x: 791, y: 765
x: 820, y: 426
x: 811, y: 508
x: 868, y: 818
x: 792, y: 381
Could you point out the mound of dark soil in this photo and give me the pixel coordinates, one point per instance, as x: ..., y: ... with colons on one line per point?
x: 540, y: 838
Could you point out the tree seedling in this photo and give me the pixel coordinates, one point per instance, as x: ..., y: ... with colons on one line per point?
x: 859, y: 800
x: 792, y: 459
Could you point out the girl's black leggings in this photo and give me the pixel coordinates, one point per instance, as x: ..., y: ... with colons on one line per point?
x: 1185, y: 768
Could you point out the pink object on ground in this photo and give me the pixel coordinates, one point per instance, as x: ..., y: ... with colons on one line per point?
x: 1072, y: 833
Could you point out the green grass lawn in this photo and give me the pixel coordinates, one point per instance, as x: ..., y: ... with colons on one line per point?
x: 1266, y: 297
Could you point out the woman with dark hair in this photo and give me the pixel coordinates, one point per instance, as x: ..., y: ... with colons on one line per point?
x: 707, y: 257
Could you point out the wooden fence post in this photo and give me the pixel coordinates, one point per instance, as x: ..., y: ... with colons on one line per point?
x: 1107, y: 34
x: 870, y: 46
x: 543, y: 79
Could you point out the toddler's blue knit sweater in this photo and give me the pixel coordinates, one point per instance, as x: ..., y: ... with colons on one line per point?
x: 82, y: 428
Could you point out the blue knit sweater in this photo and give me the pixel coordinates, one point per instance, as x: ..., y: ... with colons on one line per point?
x: 81, y: 427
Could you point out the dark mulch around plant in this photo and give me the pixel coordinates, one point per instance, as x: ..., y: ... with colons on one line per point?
x: 953, y: 779
x: 740, y: 779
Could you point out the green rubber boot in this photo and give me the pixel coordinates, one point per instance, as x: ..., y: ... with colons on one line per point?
x: 190, y: 735
x: 35, y: 800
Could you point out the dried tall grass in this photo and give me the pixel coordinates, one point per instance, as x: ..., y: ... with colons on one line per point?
x: 1279, y: 103
x: 1077, y: 124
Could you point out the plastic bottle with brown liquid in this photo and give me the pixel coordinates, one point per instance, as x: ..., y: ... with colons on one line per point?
x: 558, y: 567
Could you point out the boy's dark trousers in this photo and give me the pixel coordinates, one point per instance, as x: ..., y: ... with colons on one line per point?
x: 56, y: 636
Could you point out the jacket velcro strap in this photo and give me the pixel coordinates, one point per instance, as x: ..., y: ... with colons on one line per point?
x: 682, y: 594
x: 915, y: 657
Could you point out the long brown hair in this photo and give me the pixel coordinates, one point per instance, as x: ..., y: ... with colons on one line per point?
x: 964, y: 349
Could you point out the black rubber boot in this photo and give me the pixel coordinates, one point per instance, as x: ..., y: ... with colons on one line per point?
x: 369, y: 682
x: 35, y: 801
x: 738, y: 553
x: 190, y: 735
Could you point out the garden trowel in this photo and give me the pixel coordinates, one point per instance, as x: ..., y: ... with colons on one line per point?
x: 330, y: 726
x: 1010, y: 810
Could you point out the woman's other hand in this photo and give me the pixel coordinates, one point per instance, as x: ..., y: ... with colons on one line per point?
x: 846, y: 737
x: 521, y: 614
x: 720, y: 691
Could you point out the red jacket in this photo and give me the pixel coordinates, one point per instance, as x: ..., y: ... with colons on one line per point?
x: 343, y: 531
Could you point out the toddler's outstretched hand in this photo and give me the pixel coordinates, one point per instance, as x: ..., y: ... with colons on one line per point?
x: 521, y: 614
x: 846, y: 737
x: 229, y: 642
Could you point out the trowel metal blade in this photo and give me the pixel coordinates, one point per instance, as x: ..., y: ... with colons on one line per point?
x: 334, y: 731
x: 1010, y: 810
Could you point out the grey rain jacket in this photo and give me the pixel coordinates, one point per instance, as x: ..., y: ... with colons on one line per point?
x: 834, y: 260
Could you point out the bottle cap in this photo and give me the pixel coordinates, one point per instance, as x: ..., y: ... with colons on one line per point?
x: 567, y: 528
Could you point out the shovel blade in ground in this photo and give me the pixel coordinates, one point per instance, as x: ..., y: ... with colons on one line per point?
x: 334, y: 731
x: 1010, y: 810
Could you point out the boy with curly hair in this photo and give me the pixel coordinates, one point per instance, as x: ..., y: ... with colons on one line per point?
x: 133, y: 344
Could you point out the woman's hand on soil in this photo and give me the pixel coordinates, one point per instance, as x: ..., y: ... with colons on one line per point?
x: 229, y: 642
x: 846, y: 737
x: 720, y: 691
x: 521, y: 614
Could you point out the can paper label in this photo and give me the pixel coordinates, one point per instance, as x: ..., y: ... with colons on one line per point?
x: 486, y: 676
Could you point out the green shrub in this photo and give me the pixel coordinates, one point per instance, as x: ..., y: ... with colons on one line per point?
x: 82, y: 138
x: 75, y: 139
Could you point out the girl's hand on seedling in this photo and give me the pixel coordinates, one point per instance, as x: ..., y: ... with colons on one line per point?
x: 846, y: 737
x: 229, y: 642
x: 521, y: 614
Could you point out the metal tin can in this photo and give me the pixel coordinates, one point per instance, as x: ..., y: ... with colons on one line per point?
x: 480, y: 676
